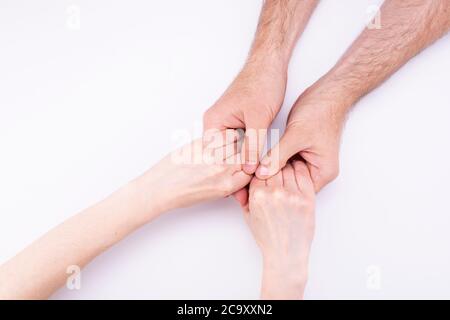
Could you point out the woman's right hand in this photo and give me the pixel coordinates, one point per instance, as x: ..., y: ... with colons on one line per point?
x: 200, y: 171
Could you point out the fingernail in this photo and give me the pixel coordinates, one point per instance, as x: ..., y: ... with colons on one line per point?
x: 250, y: 168
x: 264, y: 171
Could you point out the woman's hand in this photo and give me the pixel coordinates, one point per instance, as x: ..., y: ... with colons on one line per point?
x: 200, y: 171
x: 281, y: 217
x: 190, y: 175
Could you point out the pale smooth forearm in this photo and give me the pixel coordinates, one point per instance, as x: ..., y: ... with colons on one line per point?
x: 40, y: 269
x: 184, y: 178
x: 283, y: 280
x: 407, y: 27
x: 280, y: 24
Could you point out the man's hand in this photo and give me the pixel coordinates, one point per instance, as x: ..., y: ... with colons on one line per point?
x: 313, y: 133
x: 251, y: 103
x: 254, y: 98
x: 316, y: 121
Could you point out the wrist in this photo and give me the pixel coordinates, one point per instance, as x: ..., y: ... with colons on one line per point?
x: 268, y: 62
x: 263, y: 80
x: 326, y: 94
x: 283, y: 278
x: 332, y: 90
x: 149, y: 201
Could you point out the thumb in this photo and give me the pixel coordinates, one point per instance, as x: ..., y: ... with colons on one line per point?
x: 254, y: 141
x: 241, y: 197
x: 277, y: 158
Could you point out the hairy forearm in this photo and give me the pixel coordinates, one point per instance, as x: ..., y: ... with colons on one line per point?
x: 280, y: 24
x: 41, y: 268
x: 407, y: 27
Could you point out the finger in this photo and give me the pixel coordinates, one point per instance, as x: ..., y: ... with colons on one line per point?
x: 246, y: 212
x: 212, y: 120
x: 239, y: 142
x: 289, y: 180
x: 218, y: 156
x: 235, y: 161
x: 254, y: 141
x: 303, y: 178
x: 256, y: 183
x: 241, y: 180
x: 228, y: 154
x: 276, y: 180
x: 214, y: 138
x: 277, y: 158
x: 324, y: 173
x: 241, y: 197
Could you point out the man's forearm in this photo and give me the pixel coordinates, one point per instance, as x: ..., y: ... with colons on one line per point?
x: 407, y: 27
x: 280, y: 24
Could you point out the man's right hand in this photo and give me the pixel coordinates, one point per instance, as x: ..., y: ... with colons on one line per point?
x: 251, y: 103
x: 254, y: 98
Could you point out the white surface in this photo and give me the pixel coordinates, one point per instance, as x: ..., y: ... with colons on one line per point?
x: 84, y: 111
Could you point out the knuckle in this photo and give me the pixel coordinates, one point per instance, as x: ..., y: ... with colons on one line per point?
x: 227, y: 186
x: 308, y: 206
x: 258, y: 195
x: 215, y: 171
x: 206, y: 116
x: 267, y: 116
x: 278, y: 194
x: 293, y: 198
x: 209, y: 116
x: 325, y: 175
x: 331, y: 174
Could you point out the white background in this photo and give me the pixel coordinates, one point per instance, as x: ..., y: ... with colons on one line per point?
x: 84, y: 111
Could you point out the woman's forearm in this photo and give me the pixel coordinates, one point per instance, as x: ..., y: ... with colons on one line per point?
x: 40, y: 269
x: 283, y: 283
x: 178, y: 180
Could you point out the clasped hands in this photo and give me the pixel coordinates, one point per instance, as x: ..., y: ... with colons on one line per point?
x: 277, y: 191
x: 313, y: 128
x: 279, y: 212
